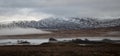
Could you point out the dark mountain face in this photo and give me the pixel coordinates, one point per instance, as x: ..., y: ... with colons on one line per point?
x: 65, y: 23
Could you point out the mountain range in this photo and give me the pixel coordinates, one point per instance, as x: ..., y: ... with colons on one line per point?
x: 64, y: 23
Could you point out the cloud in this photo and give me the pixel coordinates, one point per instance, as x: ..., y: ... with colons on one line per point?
x: 35, y: 3
x: 23, y: 14
x: 67, y: 8
x: 53, y: 3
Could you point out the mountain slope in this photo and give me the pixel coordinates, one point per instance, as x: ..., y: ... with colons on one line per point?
x: 64, y: 23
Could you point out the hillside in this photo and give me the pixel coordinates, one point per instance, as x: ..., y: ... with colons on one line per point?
x: 72, y: 23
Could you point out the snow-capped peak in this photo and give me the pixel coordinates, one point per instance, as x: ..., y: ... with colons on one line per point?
x: 65, y: 23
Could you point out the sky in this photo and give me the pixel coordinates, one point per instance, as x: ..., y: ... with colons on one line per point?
x: 11, y: 10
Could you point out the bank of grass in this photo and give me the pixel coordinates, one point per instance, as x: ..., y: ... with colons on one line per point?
x: 61, y: 50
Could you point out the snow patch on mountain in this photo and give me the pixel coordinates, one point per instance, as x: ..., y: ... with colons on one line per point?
x: 65, y: 23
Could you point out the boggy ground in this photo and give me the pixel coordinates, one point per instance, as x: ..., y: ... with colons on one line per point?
x: 60, y: 49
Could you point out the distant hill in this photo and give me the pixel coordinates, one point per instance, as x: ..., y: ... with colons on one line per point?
x: 64, y: 23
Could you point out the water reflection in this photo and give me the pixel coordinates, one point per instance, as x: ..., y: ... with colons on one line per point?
x: 42, y: 40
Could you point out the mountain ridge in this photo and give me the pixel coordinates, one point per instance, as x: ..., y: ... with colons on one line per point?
x: 64, y: 23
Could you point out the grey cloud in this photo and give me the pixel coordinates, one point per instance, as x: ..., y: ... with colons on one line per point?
x: 53, y: 3
x: 35, y: 3
x: 63, y: 7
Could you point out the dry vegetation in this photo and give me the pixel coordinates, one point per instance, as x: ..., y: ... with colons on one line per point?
x: 61, y: 50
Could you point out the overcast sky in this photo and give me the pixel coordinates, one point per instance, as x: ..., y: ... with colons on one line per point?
x: 36, y: 9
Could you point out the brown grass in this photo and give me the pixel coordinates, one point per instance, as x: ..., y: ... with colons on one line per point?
x: 61, y: 50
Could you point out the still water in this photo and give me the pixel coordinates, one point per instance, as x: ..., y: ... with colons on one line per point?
x: 43, y: 40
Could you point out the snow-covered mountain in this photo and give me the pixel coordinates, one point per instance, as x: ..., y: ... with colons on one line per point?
x: 64, y: 23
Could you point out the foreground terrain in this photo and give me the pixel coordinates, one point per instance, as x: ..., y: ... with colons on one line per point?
x: 59, y: 49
